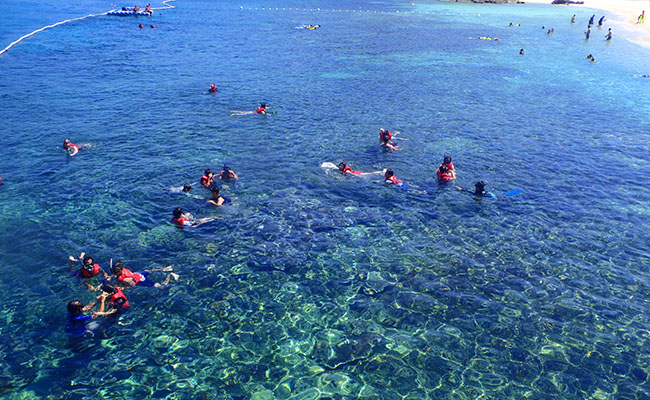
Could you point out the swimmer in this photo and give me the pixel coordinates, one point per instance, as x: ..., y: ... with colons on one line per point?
x: 136, y: 9
x: 79, y: 324
x: 0, y: 181
x: 141, y: 26
x: 130, y: 279
x: 522, y: 52
x: 227, y: 174
x: 510, y: 25
x: 573, y: 19
x: 479, y: 190
x: 443, y: 174
x: 591, y: 20
x: 609, y: 35
x: 451, y: 170
x: 207, y: 179
x: 390, y: 178
x: 216, y: 199
x: 591, y: 58
x: 186, y: 220
x: 600, y: 21
x: 261, y: 109
x: 213, y: 88
x: 89, y: 269
x: 117, y: 301
x: 70, y: 147
x: 385, y: 134
x: 386, y: 143
x: 347, y: 170
x: 187, y: 188
x: 153, y: 26
x: 587, y: 34
x: 148, y: 8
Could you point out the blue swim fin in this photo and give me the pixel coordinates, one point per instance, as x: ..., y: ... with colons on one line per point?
x: 513, y: 192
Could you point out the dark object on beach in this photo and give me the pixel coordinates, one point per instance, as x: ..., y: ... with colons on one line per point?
x: 567, y: 2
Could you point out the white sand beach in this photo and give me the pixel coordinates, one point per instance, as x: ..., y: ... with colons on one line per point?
x: 624, y: 14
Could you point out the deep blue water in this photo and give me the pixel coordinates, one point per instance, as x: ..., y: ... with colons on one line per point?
x: 313, y: 285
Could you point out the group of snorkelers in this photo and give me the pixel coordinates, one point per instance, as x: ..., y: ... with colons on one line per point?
x: 446, y: 171
x: 208, y: 181
x: 112, y: 301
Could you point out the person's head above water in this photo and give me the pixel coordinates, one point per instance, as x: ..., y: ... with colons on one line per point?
x: 443, y: 169
x: 446, y: 160
x: 342, y: 166
x: 117, y: 268
x: 66, y: 143
x: 187, y: 188
x: 88, y: 262
x: 479, y: 187
x: 215, y: 191
x: 75, y: 307
x: 389, y: 173
x: 108, y: 288
x: 178, y: 212
x: 208, y: 172
x: 263, y: 105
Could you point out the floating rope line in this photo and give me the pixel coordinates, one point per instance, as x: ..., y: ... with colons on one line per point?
x: 352, y: 11
x: 6, y: 49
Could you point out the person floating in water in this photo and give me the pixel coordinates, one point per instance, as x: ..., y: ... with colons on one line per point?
x: 609, y: 35
x: 573, y: 19
x: 522, y: 52
x: 260, y: 110
x: 391, y: 179
x: 591, y: 20
x: 213, y: 88
x: 79, y: 324
x: 345, y: 170
x: 216, y: 199
x: 451, y: 170
x: 186, y: 220
x: 384, y: 140
x: 207, y: 179
x: 479, y: 190
x: 70, y: 147
x: 443, y: 174
x: 227, y: 174
x: 89, y: 270
x: 588, y: 33
x: 130, y: 279
x: 117, y: 301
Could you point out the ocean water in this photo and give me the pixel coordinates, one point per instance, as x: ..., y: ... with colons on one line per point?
x: 311, y: 285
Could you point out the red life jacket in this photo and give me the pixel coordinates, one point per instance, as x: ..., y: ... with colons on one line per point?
x: 128, y: 274
x: 206, y: 180
x: 260, y: 110
x: 385, y: 136
x: 393, y: 180
x: 348, y: 169
x: 87, y: 274
x: 180, y: 221
x: 119, y: 295
x: 213, y: 89
x: 443, y: 177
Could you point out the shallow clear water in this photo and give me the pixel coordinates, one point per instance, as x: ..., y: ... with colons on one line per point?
x: 312, y: 285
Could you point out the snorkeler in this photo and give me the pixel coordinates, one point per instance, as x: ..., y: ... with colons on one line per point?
x: 216, y: 199
x: 79, y: 324
x: 390, y: 178
x: 207, y: 179
x: 182, y: 220
x: 117, y: 301
x: 347, y: 170
x: 479, y: 190
x: 261, y: 109
x: 386, y: 143
x: 213, y: 88
x: 227, y: 174
x: 451, y: 170
x: 443, y: 174
x: 70, y: 147
x: 130, y: 279
x: 89, y: 269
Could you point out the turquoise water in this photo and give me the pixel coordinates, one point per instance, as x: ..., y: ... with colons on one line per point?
x: 312, y: 285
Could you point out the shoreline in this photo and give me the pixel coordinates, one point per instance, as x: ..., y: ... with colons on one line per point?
x: 624, y: 13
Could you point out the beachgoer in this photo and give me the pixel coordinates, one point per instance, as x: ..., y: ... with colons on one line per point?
x: 79, y: 324
x: 130, y: 279
x: 390, y: 178
x: 70, y: 147
x: 600, y: 21
x: 641, y: 18
x: 117, y: 301
x: 451, y: 170
x: 591, y: 20
x: 609, y: 35
x: 227, y: 174
x: 213, y: 88
x: 573, y: 19
x: 182, y: 220
x: 522, y: 52
x: 89, y: 269
x: 587, y: 34
x: 261, y: 109
x: 216, y: 199
x: 207, y: 179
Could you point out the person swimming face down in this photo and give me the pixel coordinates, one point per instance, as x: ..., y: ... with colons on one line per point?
x: 479, y: 188
x: 187, y: 188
